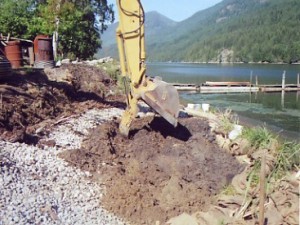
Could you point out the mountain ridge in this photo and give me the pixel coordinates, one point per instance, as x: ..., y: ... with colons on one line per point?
x: 230, y: 31
x: 155, y: 23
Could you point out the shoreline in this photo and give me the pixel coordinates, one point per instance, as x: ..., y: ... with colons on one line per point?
x: 249, y: 122
x: 227, y: 63
x: 282, y: 134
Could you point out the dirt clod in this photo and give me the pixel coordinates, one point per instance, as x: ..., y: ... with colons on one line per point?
x: 159, y: 172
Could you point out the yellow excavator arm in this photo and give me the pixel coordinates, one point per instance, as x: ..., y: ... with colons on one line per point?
x: 160, y: 96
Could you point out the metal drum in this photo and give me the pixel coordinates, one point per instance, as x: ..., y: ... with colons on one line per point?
x: 43, y: 52
x: 13, y: 53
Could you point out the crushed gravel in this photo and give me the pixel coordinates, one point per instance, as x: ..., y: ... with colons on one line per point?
x: 38, y: 187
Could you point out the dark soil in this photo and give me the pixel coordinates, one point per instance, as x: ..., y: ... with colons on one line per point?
x: 29, y: 99
x: 158, y: 173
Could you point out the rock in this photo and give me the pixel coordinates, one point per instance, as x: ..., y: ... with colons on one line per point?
x: 58, y: 63
x: 183, y: 219
x: 65, y: 61
x: 16, y: 219
x: 236, y: 132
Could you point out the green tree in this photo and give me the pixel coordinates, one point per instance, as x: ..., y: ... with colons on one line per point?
x: 15, y: 17
x: 78, y: 23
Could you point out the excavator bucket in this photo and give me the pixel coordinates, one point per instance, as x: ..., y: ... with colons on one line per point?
x: 164, y: 99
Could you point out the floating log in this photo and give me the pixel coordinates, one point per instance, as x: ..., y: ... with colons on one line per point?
x: 230, y: 83
x: 227, y: 89
x: 186, y: 87
x: 279, y: 87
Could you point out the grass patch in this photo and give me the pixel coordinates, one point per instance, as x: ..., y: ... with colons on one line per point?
x: 227, y: 120
x: 288, y: 159
x: 253, y: 177
x: 287, y: 154
x: 229, y: 190
x: 258, y: 137
x: 112, y: 69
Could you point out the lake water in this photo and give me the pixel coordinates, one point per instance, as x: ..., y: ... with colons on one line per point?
x: 279, y: 113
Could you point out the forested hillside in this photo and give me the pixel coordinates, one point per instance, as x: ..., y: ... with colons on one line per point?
x: 232, y: 31
x: 155, y: 23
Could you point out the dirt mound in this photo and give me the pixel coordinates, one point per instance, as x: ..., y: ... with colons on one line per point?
x: 30, y: 97
x: 89, y: 79
x: 158, y: 173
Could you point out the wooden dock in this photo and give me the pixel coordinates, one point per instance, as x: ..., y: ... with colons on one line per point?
x: 237, y: 87
x: 276, y: 88
x: 217, y: 87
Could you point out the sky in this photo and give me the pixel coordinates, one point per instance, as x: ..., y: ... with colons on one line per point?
x: 176, y: 10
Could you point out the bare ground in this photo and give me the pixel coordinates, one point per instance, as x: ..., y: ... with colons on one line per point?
x: 160, y: 172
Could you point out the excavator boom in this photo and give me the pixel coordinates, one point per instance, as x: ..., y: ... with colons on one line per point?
x: 159, y: 95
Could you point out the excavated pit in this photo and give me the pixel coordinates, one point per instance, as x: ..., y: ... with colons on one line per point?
x: 159, y: 172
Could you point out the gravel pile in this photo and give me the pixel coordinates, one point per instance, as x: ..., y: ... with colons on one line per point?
x: 37, y: 187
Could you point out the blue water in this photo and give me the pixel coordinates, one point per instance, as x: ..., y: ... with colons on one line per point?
x: 279, y: 112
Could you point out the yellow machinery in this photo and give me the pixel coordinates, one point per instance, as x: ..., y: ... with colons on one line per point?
x: 160, y: 96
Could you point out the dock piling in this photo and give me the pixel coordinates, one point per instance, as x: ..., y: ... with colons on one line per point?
x: 282, y: 98
x: 283, y: 80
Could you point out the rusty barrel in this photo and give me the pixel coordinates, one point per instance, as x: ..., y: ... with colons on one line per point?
x: 13, y: 53
x: 43, y: 51
x: 36, y: 43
